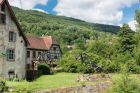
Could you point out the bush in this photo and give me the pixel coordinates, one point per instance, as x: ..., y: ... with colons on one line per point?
x: 69, y: 63
x: 136, y: 70
x: 85, y: 68
x: 109, y: 66
x: 44, y: 69
x: 3, y: 86
x: 125, y: 84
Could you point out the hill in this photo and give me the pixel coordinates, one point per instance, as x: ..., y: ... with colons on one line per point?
x: 24, y: 15
x: 66, y: 30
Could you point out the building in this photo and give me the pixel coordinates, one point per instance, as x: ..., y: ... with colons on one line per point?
x: 18, y: 54
x: 12, y: 44
x: 42, y: 49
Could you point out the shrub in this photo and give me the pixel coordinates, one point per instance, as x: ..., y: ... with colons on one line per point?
x: 71, y: 63
x: 125, y: 84
x: 85, y: 68
x: 136, y: 69
x: 109, y: 66
x: 3, y: 86
x: 44, y: 69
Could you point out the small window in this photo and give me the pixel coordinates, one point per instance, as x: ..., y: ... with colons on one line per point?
x: 10, y: 54
x: 2, y: 18
x: 55, y: 57
x: 3, y: 7
x: 34, y: 54
x: 54, y: 48
x: 39, y: 53
x: 12, y: 36
x: 28, y: 54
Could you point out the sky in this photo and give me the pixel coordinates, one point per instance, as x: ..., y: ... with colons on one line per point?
x: 113, y: 12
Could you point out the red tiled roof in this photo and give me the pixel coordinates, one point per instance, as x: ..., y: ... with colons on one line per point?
x: 44, y: 43
x: 48, y: 41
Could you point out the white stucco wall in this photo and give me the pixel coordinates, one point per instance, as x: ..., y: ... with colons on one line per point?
x: 20, y: 49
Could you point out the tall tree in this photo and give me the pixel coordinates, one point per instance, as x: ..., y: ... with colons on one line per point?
x: 138, y: 37
x: 127, y: 41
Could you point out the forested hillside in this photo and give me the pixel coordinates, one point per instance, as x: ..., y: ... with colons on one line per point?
x: 64, y: 29
x: 108, y: 46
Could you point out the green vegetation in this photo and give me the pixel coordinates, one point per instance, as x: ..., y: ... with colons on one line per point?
x: 67, y: 31
x: 125, y: 83
x: 56, y: 81
x: 44, y: 69
x: 3, y: 86
x: 108, y: 46
x: 47, y: 82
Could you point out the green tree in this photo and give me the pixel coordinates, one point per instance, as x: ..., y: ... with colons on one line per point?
x: 127, y: 41
x: 137, y: 52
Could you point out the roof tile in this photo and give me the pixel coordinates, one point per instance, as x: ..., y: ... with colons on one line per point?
x: 40, y: 42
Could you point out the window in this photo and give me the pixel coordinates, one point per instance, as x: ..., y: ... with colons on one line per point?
x: 3, y: 7
x: 12, y: 36
x: 55, y: 57
x: 2, y: 18
x: 54, y: 48
x: 28, y: 54
x: 39, y: 53
x: 34, y: 54
x: 10, y: 54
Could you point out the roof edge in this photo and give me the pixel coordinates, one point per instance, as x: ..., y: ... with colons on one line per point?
x: 16, y: 21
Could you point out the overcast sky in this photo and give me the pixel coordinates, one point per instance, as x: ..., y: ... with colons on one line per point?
x: 115, y: 12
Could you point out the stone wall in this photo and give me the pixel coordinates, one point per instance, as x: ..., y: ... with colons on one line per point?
x: 20, y: 49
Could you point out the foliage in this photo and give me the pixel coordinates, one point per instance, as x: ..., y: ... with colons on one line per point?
x: 125, y: 84
x: 70, y: 63
x: 127, y: 42
x: 137, y: 49
x: 3, y: 87
x: 100, y: 42
x: 55, y: 81
x: 44, y: 69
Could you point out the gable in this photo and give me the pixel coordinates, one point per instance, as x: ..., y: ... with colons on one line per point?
x: 14, y: 19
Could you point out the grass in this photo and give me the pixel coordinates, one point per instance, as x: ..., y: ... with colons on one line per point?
x: 55, y: 81
x: 48, y: 82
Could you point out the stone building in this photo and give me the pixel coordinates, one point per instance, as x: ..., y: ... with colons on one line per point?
x: 12, y: 44
x: 18, y: 53
x: 42, y: 49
